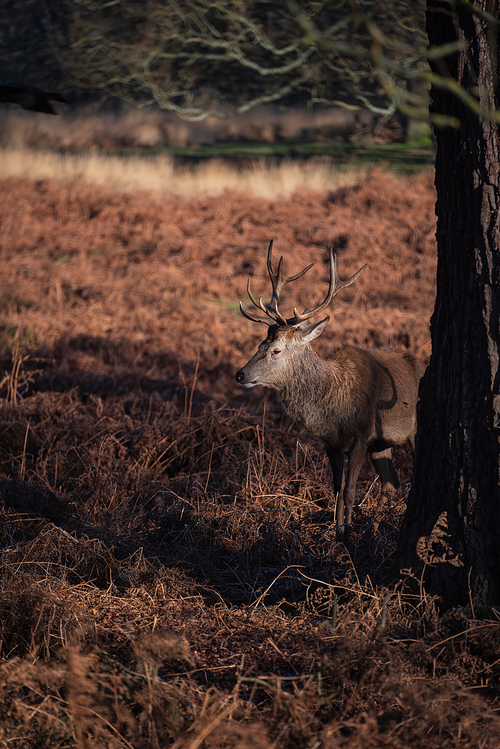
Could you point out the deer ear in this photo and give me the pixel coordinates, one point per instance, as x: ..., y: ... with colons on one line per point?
x: 312, y: 331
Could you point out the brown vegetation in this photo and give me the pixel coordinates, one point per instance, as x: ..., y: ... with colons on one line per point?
x: 170, y: 575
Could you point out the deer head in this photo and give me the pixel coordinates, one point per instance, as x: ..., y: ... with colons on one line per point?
x: 286, y: 336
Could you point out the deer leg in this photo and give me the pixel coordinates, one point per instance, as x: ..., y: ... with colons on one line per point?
x: 388, y: 476
x: 337, y: 463
x: 354, y: 463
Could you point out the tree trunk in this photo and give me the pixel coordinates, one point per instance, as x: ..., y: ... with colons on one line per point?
x: 456, y: 481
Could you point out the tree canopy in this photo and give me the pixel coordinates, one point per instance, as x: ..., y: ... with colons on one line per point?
x: 212, y: 57
x: 218, y: 58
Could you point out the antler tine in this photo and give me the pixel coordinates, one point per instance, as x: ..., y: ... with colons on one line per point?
x: 283, y: 280
x: 260, y: 306
x: 251, y: 317
x: 335, y: 285
x: 279, y: 281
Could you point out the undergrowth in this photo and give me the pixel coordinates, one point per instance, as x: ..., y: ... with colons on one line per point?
x: 171, y: 577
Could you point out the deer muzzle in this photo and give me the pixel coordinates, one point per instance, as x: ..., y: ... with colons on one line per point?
x: 242, y: 378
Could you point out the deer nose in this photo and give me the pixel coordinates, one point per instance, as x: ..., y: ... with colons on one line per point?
x: 240, y: 375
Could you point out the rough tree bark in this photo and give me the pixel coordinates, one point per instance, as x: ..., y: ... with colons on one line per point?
x: 456, y: 479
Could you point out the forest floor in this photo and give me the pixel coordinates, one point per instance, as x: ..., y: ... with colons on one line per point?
x: 170, y: 570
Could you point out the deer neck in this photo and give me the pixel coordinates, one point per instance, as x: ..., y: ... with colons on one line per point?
x: 311, y: 381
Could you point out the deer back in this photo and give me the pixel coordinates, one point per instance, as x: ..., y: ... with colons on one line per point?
x: 355, y: 395
x: 397, y: 396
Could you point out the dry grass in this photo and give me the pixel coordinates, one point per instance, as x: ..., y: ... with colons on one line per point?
x: 160, y: 174
x: 170, y: 574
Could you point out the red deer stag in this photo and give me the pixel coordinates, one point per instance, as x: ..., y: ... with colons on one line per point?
x: 354, y: 401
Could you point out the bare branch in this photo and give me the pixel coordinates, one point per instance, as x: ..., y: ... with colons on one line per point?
x: 221, y: 58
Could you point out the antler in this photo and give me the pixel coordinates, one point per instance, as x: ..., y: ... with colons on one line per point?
x: 333, y: 289
x: 279, y: 281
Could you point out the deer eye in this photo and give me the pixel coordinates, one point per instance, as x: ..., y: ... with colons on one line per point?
x: 275, y: 351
